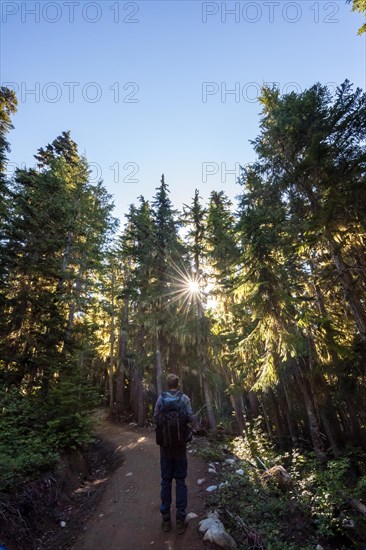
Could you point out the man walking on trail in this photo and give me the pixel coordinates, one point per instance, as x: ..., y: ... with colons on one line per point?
x: 173, y: 413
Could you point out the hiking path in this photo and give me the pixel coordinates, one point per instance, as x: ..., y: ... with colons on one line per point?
x: 127, y: 516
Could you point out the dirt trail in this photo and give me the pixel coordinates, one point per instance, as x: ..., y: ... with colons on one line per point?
x: 128, y: 517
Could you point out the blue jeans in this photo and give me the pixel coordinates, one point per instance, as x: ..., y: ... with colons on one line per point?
x: 173, y: 468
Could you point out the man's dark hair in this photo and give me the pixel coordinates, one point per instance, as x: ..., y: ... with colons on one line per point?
x: 172, y: 381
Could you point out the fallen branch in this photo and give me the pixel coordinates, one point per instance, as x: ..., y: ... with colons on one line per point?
x: 358, y: 506
x: 261, y: 463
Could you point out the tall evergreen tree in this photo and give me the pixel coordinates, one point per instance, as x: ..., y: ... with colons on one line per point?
x: 196, y: 224
x: 314, y: 148
x: 8, y: 106
x: 166, y: 268
x: 49, y: 277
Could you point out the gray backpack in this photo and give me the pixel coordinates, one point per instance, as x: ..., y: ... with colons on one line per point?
x: 172, y: 422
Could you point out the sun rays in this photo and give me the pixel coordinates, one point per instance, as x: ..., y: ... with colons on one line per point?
x: 184, y: 290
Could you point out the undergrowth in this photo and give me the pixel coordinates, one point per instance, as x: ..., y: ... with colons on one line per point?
x: 314, y: 510
x: 35, y: 430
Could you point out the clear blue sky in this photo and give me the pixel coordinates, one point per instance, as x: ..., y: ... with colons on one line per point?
x: 167, y: 50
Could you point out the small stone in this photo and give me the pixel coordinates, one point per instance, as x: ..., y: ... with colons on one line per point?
x: 62, y: 524
x: 211, y: 465
x: 211, y: 488
x: 200, y: 481
x: 319, y: 547
x: 191, y: 515
x: 212, y: 471
x: 223, y: 484
x: 230, y: 461
x: 240, y: 472
x: 129, y: 474
x: 349, y: 523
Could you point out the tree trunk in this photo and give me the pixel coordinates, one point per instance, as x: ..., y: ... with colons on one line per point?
x: 357, y: 431
x: 111, y: 359
x: 122, y: 358
x: 205, y: 385
x: 311, y: 414
x: 277, y: 417
x: 290, y: 416
x: 329, y: 432
x: 328, y: 414
x: 235, y: 401
x: 208, y: 401
x: 239, y: 417
x: 159, y: 365
x: 140, y: 401
x: 346, y: 423
x: 120, y: 383
x: 266, y: 419
x: 254, y: 404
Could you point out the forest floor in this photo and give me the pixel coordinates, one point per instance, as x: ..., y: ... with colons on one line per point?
x: 127, y: 516
x: 107, y: 498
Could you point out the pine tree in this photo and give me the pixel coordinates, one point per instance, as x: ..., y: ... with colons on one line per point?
x: 8, y: 106
x: 50, y: 276
x: 169, y: 253
x: 195, y: 221
x: 315, y: 149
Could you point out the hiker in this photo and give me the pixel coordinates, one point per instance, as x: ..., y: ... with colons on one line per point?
x: 173, y: 414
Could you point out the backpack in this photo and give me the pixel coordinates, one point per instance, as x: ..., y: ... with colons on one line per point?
x: 172, y: 422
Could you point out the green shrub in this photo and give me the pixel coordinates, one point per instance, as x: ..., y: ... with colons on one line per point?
x: 34, y: 430
x: 210, y: 451
x: 315, y: 510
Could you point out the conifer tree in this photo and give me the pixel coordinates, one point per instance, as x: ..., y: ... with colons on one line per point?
x: 314, y: 147
x: 168, y: 259
x: 8, y: 106
x: 50, y: 275
x: 195, y: 221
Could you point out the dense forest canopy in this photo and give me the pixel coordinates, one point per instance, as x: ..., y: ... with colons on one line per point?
x: 259, y: 305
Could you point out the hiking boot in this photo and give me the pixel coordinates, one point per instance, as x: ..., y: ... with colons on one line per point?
x: 166, y: 523
x: 181, y: 525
